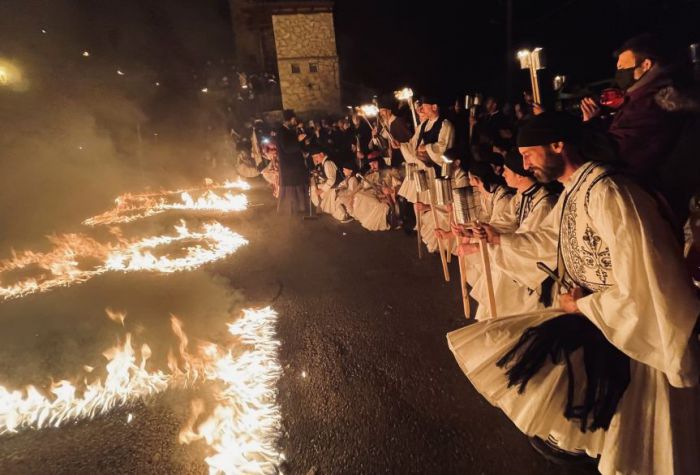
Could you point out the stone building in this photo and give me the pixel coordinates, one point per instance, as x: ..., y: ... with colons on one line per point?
x: 296, y: 41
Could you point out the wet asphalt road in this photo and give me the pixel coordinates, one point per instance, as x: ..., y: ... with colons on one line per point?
x: 369, y: 384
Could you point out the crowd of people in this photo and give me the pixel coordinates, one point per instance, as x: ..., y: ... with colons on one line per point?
x: 573, y: 236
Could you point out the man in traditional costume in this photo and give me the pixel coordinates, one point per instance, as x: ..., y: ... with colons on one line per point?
x: 345, y: 193
x: 375, y: 202
x: 323, y: 194
x: 614, y: 371
x: 524, y: 213
x: 426, y: 148
x: 458, y: 179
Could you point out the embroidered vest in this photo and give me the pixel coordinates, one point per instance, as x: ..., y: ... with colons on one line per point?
x: 583, y: 256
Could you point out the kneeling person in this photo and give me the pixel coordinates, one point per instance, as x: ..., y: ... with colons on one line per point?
x: 324, y: 191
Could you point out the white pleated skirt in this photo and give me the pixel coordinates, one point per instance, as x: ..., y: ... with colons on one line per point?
x: 370, y: 211
x: 656, y: 427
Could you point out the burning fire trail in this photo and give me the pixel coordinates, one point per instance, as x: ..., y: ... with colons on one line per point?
x: 64, y: 264
x: 131, y: 208
x: 242, y: 429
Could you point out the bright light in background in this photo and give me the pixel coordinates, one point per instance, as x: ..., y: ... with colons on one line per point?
x: 120, y: 72
x: 205, y: 90
x: 10, y: 75
x: 86, y: 53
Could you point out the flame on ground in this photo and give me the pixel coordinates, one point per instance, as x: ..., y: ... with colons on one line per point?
x: 132, y: 207
x: 242, y: 430
x: 61, y: 266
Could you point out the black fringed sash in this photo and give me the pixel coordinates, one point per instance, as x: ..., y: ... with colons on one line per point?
x: 607, y: 368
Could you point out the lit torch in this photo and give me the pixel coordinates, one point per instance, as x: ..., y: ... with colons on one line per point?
x: 532, y: 60
x: 368, y: 111
x: 406, y: 94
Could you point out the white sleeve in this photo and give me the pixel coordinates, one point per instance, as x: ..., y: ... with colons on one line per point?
x: 511, y: 267
x: 331, y: 171
x: 519, y: 253
x: 651, y: 308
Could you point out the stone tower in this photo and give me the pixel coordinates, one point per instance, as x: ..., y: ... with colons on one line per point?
x: 294, y: 40
x: 307, y: 59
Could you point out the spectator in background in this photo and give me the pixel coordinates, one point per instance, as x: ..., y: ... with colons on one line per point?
x: 293, y: 173
x: 643, y: 132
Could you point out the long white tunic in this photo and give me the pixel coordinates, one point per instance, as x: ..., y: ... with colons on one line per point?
x: 345, y: 193
x: 524, y: 213
x: 614, y: 243
x: 371, y: 208
x: 435, y: 152
x: 327, y: 200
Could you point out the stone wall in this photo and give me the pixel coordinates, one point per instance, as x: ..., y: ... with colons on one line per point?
x: 307, y: 61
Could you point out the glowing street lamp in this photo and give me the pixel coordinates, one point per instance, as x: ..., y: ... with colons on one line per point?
x: 532, y: 60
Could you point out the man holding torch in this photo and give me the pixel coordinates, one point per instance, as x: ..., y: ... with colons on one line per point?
x: 613, y: 372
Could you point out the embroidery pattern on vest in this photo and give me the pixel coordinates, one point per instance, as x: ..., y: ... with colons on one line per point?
x: 592, y: 257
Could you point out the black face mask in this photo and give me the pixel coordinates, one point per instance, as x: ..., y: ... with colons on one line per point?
x: 624, y: 78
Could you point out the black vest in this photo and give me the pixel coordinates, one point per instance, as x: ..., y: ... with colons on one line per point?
x: 339, y: 177
x: 430, y: 137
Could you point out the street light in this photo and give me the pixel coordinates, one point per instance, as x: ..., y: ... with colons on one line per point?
x: 532, y: 60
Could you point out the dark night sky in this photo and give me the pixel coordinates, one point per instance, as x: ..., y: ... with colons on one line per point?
x: 448, y: 46
x: 456, y: 47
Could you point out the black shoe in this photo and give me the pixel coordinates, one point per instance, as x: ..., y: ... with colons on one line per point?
x: 554, y: 454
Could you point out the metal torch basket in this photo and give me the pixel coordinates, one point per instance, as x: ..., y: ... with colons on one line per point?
x: 420, y: 178
x: 466, y: 205
x: 443, y: 191
x: 446, y: 169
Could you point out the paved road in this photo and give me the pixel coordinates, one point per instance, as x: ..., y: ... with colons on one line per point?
x: 369, y: 385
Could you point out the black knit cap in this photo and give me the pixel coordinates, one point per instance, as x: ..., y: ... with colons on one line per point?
x: 350, y: 165
x: 514, y: 162
x: 385, y: 101
x: 288, y: 114
x: 547, y: 128
x: 315, y: 150
x: 429, y: 99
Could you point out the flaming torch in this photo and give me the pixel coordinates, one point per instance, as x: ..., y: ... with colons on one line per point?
x: 532, y: 60
x: 368, y: 111
x: 406, y: 94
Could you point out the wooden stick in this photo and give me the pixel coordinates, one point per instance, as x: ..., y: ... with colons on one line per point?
x: 487, y: 273
x: 413, y: 113
x: 418, y: 226
x: 441, y: 248
x: 463, y: 284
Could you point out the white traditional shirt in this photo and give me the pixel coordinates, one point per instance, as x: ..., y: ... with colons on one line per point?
x: 607, y: 236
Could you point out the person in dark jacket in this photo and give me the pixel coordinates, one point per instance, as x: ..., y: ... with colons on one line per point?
x: 643, y: 132
x: 293, y: 173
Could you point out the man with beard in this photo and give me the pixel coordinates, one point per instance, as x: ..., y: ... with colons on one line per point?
x: 293, y: 173
x: 613, y: 372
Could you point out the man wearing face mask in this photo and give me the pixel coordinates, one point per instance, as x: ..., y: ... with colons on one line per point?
x: 643, y: 132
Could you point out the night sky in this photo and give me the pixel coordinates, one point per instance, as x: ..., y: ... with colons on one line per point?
x: 457, y: 47
x: 447, y: 47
